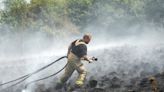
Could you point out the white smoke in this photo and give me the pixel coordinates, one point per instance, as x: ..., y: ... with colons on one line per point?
x: 2, y: 4
x: 132, y: 49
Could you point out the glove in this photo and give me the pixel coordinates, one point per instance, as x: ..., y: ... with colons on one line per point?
x: 90, y: 60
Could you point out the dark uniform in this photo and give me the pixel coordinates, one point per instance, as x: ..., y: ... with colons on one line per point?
x: 79, y: 50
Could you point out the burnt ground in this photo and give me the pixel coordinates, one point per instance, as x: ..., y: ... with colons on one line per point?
x: 112, y: 83
x: 119, y: 69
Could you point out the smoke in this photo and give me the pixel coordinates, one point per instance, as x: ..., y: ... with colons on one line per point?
x: 125, y: 45
x: 134, y: 49
x: 1, y: 4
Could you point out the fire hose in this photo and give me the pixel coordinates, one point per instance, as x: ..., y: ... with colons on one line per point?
x: 23, y: 78
x: 93, y: 58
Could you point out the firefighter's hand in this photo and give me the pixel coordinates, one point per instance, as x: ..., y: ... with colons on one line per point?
x: 90, y: 61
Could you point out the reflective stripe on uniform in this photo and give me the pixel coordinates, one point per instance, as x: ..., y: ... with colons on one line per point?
x: 78, y: 43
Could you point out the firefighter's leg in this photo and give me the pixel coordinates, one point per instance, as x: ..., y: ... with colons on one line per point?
x: 68, y: 72
x: 82, y: 75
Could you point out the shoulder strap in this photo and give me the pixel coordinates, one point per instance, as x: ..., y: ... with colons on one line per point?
x: 78, y: 43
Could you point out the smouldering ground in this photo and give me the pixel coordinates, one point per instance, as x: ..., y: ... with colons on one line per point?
x: 119, y: 69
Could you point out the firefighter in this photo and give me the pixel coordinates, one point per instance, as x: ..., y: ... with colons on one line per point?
x: 77, y: 51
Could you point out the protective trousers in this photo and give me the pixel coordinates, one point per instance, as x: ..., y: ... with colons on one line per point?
x: 74, y: 63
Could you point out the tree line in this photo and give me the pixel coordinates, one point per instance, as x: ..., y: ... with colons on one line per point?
x: 50, y: 15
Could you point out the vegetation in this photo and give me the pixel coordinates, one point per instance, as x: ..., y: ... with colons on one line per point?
x: 54, y: 15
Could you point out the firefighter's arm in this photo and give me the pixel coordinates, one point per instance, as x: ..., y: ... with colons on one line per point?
x: 86, y: 58
x: 69, y: 49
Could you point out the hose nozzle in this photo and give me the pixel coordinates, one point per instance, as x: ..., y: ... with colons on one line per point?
x: 94, y: 59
